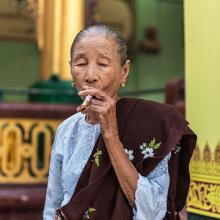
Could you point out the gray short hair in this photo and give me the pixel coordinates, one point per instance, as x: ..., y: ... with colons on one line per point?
x: 107, y: 32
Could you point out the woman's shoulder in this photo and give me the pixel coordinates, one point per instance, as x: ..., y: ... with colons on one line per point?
x: 69, y: 123
x: 155, y: 114
x: 159, y: 106
x: 153, y: 107
x: 64, y: 130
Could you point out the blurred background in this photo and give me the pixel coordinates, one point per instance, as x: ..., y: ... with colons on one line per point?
x: 174, y: 46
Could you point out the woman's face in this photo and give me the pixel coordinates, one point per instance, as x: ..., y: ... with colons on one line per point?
x: 96, y: 63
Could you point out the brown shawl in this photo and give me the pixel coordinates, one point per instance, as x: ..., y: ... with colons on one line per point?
x: 161, y: 127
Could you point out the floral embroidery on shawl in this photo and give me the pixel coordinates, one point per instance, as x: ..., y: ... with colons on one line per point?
x: 97, y: 156
x: 88, y: 212
x: 129, y: 154
x: 148, y: 149
x: 177, y: 149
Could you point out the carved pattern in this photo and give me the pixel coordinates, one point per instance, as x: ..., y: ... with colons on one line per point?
x: 35, y: 9
x: 204, y: 190
x: 217, y: 153
x: 207, y: 164
x: 25, y: 147
x: 205, y: 197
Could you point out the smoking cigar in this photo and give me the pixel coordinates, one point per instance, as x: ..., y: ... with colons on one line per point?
x: 86, y: 101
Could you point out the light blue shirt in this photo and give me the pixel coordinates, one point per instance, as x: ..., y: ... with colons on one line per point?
x: 73, y: 145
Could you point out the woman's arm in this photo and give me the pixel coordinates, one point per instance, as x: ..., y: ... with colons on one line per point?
x: 148, y: 195
x: 54, y: 196
x: 105, y: 107
x: 125, y: 171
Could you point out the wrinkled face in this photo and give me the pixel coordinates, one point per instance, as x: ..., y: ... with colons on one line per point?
x: 96, y: 63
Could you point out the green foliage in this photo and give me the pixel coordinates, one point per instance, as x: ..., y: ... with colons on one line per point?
x: 97, y: 156
x: 90, y: 210
x: 153, y: 144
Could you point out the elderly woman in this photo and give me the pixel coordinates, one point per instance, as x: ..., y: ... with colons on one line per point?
x: 110, y: 160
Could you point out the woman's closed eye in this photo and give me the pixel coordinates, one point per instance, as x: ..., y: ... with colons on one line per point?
x: 103, y: 64
x: 80, y: 64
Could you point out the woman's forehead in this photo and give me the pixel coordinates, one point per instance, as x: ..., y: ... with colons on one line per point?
x: 99, y: 43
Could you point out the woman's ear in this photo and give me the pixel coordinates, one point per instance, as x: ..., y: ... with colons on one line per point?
x: 125, y: 71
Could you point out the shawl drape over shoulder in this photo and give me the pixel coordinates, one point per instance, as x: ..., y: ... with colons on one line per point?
x: 152, y: 131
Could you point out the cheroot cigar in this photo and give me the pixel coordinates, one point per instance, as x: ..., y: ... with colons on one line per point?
x: 86, y: 101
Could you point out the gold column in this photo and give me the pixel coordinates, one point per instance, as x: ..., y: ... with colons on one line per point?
x: 51, y: 38
x: 62, y: 20
x: 72, y: 23
x: 202, y: 40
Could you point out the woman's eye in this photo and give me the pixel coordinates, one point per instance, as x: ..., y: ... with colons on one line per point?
x: 80, y: 64
x: 103, y: 64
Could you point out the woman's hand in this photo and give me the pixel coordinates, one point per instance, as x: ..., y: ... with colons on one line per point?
x: 104, y: 106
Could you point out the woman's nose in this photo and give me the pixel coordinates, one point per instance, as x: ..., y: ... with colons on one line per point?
x: 91, y: 76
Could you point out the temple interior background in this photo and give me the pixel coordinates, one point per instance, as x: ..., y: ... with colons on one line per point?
x: 174, y: 46
x: 166, y: 17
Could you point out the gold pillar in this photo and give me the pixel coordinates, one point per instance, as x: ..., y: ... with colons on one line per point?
x: 202, y: 40
x: 62, y: 21
x: 72, y: 23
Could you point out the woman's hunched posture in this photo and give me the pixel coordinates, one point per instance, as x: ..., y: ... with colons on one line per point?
x: 117, y: 158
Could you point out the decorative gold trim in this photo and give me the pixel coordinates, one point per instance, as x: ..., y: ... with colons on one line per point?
x: 206, y: 166
x: 35, y: 9
x: 204, y: 199
x: 40, y: 23
x: 25, y: 146
x: 204, y: 193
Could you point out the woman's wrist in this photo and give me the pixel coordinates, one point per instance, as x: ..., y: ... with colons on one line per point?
x: 111, y: 137
x: 110, y: 134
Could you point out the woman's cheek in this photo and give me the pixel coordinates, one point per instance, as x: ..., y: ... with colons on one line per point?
x: 78, y: 74
x: 77, y: 78
x: 77, y: 71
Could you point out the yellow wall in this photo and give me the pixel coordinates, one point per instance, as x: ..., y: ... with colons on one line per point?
x: 202, y: 56
x: 202, y: 37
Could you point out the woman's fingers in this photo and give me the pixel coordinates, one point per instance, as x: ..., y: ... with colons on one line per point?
x: 94, y: 108
x: 97, y: 93
x: 100, y: 102
x: 102, y: 109
x: 92, y: 101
